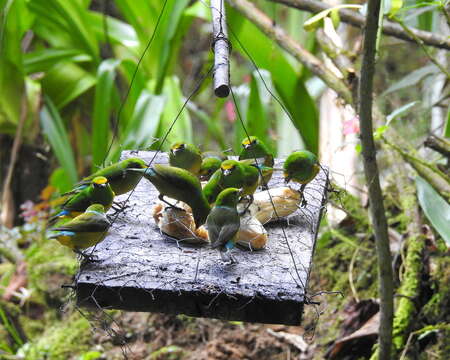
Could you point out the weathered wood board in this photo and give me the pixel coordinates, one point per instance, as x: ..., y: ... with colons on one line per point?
x: 140, y: 269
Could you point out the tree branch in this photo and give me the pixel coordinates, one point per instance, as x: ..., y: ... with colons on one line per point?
x: 221, y: 49
x: 372, y: 178
x: 356, y: 19
x: 265, y: 24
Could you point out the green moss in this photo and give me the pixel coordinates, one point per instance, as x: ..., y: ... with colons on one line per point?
x: 438, y: 307
x: 62, y: 341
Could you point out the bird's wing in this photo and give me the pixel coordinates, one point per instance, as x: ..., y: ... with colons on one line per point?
x: 86, y: 222
x: 225, y: 225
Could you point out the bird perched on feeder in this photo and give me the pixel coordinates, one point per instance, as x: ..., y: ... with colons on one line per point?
x: 254, y: 148
x: 232, y: 173
x: 181, y: 185
x: 302, y: 167
x: 223, y: 223
x: 211, y: 163
x: 97, y: 192
x: 120, y: 176
x: 85, y: 230
x: 185, y: 156
x: 265, y: 172
x: 209, y: 167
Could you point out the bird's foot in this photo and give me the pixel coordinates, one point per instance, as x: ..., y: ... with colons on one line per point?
x: 304, y: 203
x: 86, y: 258
x: 264, y: 187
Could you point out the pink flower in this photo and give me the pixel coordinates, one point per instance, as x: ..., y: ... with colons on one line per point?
x: 230, y: 111
x: 351, y: 126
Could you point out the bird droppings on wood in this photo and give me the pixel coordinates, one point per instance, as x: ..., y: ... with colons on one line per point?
x: 141, y: 269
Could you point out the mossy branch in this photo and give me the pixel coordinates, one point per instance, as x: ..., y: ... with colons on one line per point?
x: 436, y: 178
x: 413, y: 266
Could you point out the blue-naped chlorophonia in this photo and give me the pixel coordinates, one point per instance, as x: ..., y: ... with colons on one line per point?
x: 97, y: 192
x: 223, y: 223
x: 232, y: 173
x: 185, y: 156
x: 83, y: 231
x: 120, y: 176
x: 302, y: 167
x: 254, y: 148
x: 179, y: 184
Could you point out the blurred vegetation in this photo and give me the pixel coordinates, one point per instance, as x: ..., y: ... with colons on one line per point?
x: 72, y: 64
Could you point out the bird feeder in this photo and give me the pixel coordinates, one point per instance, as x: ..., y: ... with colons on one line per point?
x: 138, y: 268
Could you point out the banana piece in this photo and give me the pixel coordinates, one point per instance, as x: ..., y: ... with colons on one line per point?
x: 285, y: 200
x: 177, y: 223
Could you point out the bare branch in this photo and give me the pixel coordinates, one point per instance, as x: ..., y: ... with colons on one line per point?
x: 356, y: 19
x: 221, y: 48
x: 377, y: 211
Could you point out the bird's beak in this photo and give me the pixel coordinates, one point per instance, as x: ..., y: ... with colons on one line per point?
x: 103, y: 185
x: 246, y: 146
x: 227, y: 172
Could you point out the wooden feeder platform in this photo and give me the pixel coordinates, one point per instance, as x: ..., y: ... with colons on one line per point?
x: 141, y: 269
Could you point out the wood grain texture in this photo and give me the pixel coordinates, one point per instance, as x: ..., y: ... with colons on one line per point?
x: 140, y: 269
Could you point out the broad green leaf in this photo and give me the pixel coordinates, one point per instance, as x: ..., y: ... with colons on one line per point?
x: 43, y: 60
x: 70, y: 18
x: 400, y: 111
x: 144, y: 123
x: 213, y: 126
x: 174, y: 114
x: 56, y: 134
x: 257, y: 123
x: 12, y: 29
x: 60, y: 179
x: 119, y: 32
x: 314, y: 22
x: 436, y: 209
x: 65, y: 82
x: 288, y: 83
x: 447, y: 124
x: 102, y: 110
x: 412, y: 78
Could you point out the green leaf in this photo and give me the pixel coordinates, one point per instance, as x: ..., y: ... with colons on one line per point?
x: 288, y: 82
x: 65, y: 82
x: 315, y: 21
x: 60, y: 180
x: 43, y: 60
x: 144, y: 123
x: 400, y: 111
x: 56, y: 134
x: 182, y: 130
x: 412, y: 78
x: 119, y: 32
x: 436, y: 209
x: 102, y: 110
x: 258, y: 123
x: 447, y: 124
x: 69, y: 18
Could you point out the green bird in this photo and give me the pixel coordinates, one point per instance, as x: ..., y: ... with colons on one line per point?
x: 301, y: 166
x: 232, y: 173
x: 97, y: 192
x: 84, y: 231
x: 120, y: 176
x: 223, y: 223
x: 181, y: 185
x: 209, y: 167
x: 265, y: 172
x: 185, y: 156
x: 220, y: 155
x: 255, y: 148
